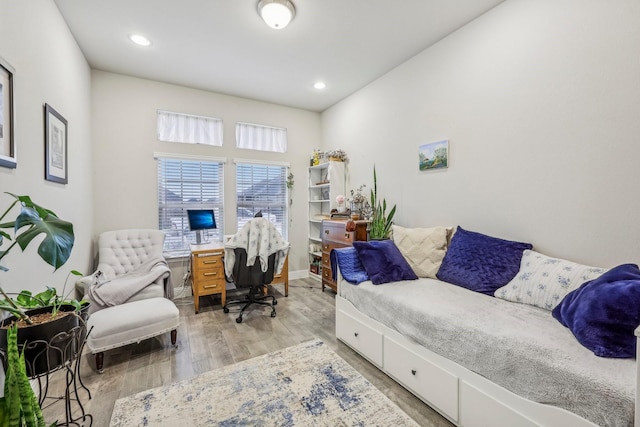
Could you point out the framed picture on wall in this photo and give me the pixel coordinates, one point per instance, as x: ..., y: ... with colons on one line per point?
x: 55, y: 146
x: 7, y: 141
x: 434, y: 155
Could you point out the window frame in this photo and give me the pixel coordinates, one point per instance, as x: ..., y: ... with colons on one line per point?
x: 270, y: 210
x: 178, y: 239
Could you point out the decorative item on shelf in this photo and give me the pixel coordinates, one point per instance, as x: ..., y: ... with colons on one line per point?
x: 340, y: 215
x: 357, y: 200
x: 337, y: 155
x: 366, y: 212
x: 315, y: 157
x: 381, y: 222
x: 340, y: 201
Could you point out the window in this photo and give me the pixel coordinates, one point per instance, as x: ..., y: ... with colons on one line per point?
x: 262, y: 187
x: 188, y: 184
x: 187, y: 128
x: 261, y: 138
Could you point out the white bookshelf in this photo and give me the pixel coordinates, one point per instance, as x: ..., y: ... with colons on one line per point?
x: 326, y: 182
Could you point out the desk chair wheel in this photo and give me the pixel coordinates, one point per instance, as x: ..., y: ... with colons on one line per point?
x: 273, y: 313
x: 275, y: 302
x: 238, y: 319
x: 226, y: 310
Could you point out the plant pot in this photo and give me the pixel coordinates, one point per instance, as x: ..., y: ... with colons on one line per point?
x: 47, y: 346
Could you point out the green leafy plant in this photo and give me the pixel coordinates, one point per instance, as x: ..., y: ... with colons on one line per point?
x: 32, y: 221
x: 381, y: 222
x: 48, y: 298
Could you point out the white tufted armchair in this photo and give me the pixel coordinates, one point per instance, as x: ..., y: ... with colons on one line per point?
x: 130, y: 292
x: 133, y: 258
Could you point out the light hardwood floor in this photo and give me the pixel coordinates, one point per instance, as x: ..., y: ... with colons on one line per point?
x: 212, y: 339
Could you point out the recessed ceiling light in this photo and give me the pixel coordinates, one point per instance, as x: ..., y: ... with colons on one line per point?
x: 319, y: 85
x: 139, y: 40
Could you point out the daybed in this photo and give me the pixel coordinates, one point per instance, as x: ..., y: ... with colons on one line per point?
x: 477, y: 359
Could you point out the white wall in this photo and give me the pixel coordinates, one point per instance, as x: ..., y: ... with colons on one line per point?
x: 541, y: 103
x: 124, y: 134
x: 49, y: 68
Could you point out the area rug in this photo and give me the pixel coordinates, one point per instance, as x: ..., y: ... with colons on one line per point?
x: 304, y: 385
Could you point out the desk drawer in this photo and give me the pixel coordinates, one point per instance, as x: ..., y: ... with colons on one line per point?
x: 209, y: 261
x: 211, y: 286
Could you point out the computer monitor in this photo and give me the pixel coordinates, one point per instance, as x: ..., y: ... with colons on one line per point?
x: 201, y: 219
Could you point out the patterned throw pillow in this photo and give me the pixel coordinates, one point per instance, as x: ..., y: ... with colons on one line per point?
x: 423, y: 248
x: 544, y: 281
x: 479, y: 262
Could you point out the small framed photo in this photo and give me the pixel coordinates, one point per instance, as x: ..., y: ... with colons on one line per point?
x: 55, y: 146
x: 434, y: 155
x: 7, y: 141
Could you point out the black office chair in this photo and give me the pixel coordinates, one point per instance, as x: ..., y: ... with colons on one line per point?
x: 253, y: 278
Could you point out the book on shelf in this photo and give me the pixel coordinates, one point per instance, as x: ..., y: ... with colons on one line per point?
x: 341, y: 215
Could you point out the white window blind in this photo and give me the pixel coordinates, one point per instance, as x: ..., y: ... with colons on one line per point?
x: 188, y: 184
x: 262, y: 187
x: 186, y: 128
x: 262, y: 138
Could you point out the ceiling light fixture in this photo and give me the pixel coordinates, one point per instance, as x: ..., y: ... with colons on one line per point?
x: 140, y: 40
x: 319, y: 85
x: 276, y: 13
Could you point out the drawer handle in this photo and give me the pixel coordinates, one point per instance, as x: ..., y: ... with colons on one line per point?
x: 212, y: 261
x: 326, y: 231
x: 413, y: 371
x: 355, y: 335
x: 211, y: 274
x: 210, y: 286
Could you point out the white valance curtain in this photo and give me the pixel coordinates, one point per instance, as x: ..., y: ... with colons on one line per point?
x: 187, y: 128
x: 262, y: 138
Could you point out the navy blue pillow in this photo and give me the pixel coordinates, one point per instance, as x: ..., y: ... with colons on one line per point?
x: 383, y: 261
x: 604, y: 313
x: 479, y: 262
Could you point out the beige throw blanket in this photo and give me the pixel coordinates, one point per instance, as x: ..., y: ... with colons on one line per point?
x: 106, y: 292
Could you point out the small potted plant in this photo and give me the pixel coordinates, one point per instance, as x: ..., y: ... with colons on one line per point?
x: 381, y: 222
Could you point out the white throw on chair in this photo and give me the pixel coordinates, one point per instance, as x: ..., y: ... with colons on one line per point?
x: 130, y: 292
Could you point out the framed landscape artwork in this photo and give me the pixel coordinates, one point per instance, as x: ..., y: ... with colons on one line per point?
x: 434, y: 155
x: 55, y: 146
x: 7, y: 141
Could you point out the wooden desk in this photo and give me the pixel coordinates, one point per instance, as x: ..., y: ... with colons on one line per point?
x: 281, y: 278
x: 207, y: 272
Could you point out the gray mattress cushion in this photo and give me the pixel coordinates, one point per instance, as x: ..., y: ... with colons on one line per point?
x: 519, y: 347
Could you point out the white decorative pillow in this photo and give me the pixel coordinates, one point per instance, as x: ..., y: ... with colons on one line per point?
x: 423, y: 248
x: 544, y: 281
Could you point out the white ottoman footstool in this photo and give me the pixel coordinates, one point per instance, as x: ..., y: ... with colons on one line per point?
x: 129, y: 323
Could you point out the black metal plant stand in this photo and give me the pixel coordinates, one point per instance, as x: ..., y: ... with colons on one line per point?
x: 63, y: 353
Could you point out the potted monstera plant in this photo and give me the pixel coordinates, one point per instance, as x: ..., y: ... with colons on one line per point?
x: 48, y: 321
